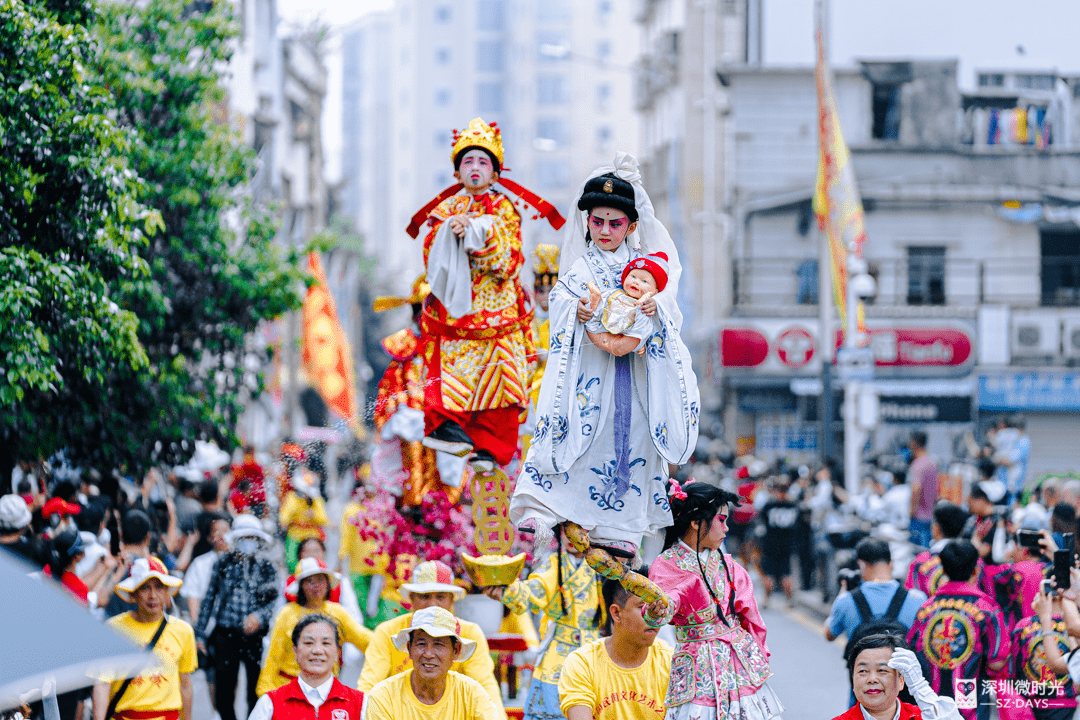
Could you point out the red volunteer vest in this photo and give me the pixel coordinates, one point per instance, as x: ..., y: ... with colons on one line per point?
x: 854, y: 713
x: 343, y: 703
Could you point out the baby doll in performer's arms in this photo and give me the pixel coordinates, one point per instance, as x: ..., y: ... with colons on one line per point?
x: 622, y: 318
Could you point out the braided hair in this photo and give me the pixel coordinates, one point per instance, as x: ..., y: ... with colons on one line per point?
x: 701, y: 504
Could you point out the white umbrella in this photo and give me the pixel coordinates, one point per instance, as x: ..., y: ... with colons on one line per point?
x: 49, y: 642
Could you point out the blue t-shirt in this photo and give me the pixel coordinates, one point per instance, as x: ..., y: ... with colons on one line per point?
x: 844, y: 617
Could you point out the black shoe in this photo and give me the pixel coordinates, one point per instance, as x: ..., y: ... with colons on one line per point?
x: 449, y: 438
x: 483, y: 461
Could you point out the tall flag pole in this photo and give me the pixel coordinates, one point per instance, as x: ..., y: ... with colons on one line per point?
x: 836, y: 196
x: 327, y: 357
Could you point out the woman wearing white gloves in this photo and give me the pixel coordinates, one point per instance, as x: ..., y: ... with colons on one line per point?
x: 881, y: 666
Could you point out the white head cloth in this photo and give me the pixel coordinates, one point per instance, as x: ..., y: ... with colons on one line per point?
x: 650, y: 237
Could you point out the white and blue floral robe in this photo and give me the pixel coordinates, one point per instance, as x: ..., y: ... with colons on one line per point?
x: 606, y: 427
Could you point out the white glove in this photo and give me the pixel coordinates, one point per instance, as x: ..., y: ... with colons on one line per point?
x: 908, y: 665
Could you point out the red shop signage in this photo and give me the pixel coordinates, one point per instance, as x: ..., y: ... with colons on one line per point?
x: 791, y: 346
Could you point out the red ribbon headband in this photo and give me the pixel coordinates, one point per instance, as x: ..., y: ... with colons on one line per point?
x: 544, y: 209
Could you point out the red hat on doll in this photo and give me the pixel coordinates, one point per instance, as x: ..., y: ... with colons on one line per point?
x: 655, y: 264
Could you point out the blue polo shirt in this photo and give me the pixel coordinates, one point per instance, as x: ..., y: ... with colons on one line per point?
x: 844, y: 617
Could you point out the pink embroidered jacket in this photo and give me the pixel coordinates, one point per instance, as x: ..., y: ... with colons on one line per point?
x: 718, y: 659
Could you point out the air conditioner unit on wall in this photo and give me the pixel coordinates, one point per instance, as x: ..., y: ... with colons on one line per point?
x: 1070, y: 337
x: 1036, y: 335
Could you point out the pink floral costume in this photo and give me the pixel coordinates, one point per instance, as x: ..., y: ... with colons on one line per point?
x: 721, y: 661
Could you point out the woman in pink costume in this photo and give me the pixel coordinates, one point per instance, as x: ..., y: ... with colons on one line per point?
x: 721, y: 662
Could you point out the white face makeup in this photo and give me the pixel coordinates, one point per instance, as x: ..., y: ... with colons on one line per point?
x: 476, y: 171
x: 609, y: 227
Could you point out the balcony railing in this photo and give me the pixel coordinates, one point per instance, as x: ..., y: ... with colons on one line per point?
x: 920, y: 280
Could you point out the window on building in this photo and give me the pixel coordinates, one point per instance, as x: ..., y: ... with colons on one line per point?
x: 442, y: 56
x: 1035, y: 81
x: 887, y: 79
x: 442, y: 179
x: 442, y: 14
x: 603, y: 50
x: 806, y: 275
x: 442, y: 139
x: 1060, y: 267
x: 264, y: 134
x: 553, y: 90
x: 489, y: 56
x: 489, y: 15
x: 301, y: 122
x: 603, y: 9
x: 442, y: 96
x: 552, y: 175
x: 554, y: 129
x: 553, y: 11
x: 991, y: 80
x: 603, y: 137
x: 886, y: 112
x: 603, y: 95
x: 490, y: 97
x: 926, y: 276
x: 731, y: 7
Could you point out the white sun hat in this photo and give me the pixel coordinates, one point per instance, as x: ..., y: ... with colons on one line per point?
x: 247, y: 526
x: 436, y: 622
x: 431, y: 577
x: 142, y: 570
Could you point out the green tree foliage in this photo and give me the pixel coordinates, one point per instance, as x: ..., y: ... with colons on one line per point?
x: 155, y: 329
x: 215, y: 271
x: 71, y: 224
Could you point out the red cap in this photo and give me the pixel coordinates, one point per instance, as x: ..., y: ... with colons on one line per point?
x: 59, y: 506
x: 657, y: 264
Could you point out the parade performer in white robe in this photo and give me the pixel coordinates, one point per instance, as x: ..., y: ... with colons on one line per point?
x: 608, y: 425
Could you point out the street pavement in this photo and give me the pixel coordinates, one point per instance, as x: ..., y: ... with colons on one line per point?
x: 808, y: 672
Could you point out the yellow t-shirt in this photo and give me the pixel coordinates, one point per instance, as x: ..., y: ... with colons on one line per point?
x: 302, y: 520
x: 355, y: 551
x: 590, y: 678
x: 383, y: 660
x: 157, y: 688
x: 281, y: 658
x: 464, y: 699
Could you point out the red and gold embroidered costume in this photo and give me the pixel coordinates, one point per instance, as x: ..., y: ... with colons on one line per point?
x: 478, y: 361
x: 402, y: 387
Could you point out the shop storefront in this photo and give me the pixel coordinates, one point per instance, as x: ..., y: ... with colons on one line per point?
x: 772, y: 383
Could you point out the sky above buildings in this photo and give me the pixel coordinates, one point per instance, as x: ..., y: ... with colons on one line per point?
x: 983, y: 34
x: 335, y: 12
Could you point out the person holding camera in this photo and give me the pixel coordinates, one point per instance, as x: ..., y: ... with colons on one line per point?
x: 1041, y: 644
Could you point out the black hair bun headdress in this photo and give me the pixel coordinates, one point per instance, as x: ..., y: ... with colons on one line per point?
x: 609, y: 190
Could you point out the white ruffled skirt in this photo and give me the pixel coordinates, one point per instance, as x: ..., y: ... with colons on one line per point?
x: 762, y: 705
